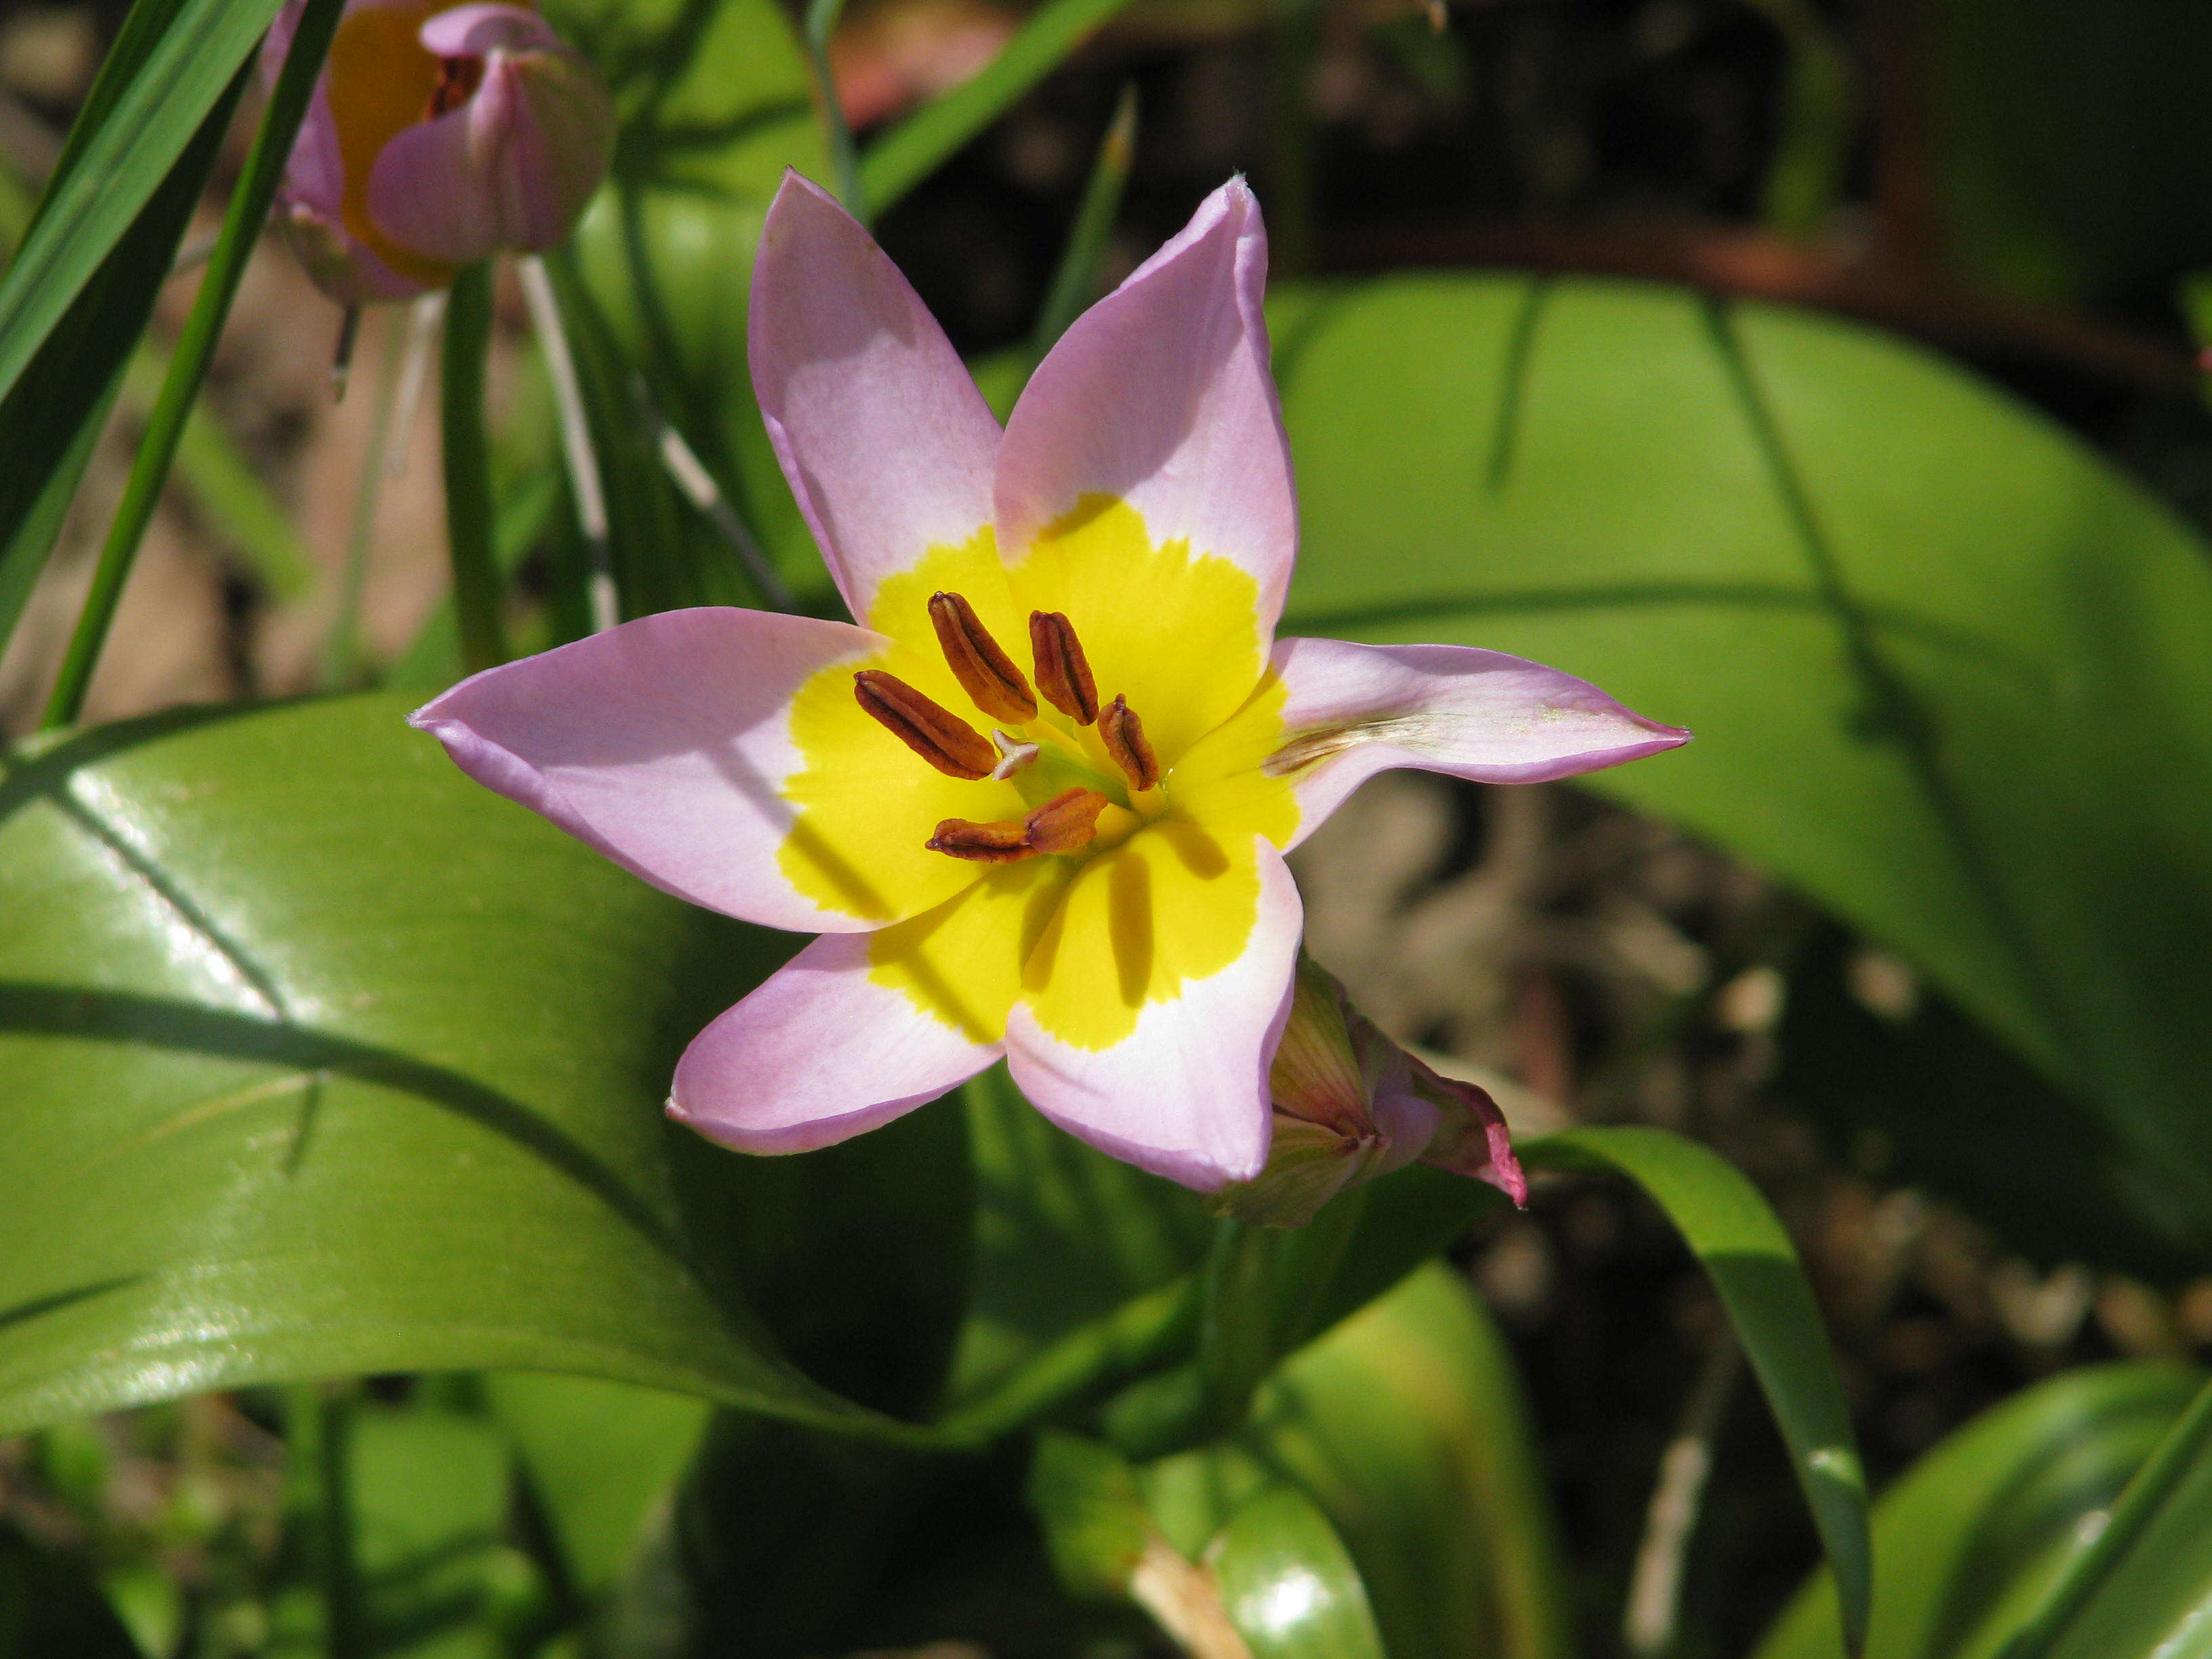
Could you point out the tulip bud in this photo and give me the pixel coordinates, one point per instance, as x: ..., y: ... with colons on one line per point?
x: 440, y: 134
x: 1350, y: 1105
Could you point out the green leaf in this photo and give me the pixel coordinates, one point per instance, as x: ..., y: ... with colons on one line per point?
x: 126, y: 143
x: 1288, y: 1583
x: 1973, y: 1534
x: 1754, y: 1267
x: 1945, y: 666
x: 1406, y: 1424
x: 324, y: 1059
x: 928, y: 139
x: 603, y: 1460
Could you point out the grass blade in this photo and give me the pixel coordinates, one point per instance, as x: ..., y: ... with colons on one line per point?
x: 130, y: 137
x: 53, y: 418
x: 1075, y: 284
x: 1755, y: 1270
x: 242, y: 229
x: 919, y: 145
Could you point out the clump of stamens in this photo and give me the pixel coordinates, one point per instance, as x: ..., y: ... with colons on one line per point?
x: 1063, y: 672
x: 1066, y: 823
x: 938, y: 735
x: 985, y: 672
x: 1123, y: 734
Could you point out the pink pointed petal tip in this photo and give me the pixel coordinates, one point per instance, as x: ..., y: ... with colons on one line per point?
x: 1355, y: 710
x: 513, y: 166
x: 1161, y: 395
x: 662, y: 744
x: 1186, y: 1095
x: 818, y: 1054
x: 1471, y: 1139
x: 885, y: 441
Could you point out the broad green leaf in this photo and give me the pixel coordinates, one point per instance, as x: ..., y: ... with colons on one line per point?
x: 1754, y: 1268
x: 602, y: 1461
x: 117, y: 163
x: 1966, y: 1541
x: 324, y: 1059
x: 1407, y: 1427
x: 1945, y: 666
x: 1289, y: 1586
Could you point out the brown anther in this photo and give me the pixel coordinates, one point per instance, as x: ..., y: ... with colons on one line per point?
x: 938, y: 736
x: 1065, y: 824
x: 1063, y: 672
x: 983, y: 843
x: 985, y: 672
x: 1123, y: 734
x: 458, y: 81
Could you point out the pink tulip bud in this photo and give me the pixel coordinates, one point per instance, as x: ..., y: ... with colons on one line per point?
x: 1350, y: 1105
x: 440, y: 136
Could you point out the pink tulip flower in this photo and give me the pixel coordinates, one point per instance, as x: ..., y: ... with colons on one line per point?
x: 440, y: 134
x: 1036, y: 798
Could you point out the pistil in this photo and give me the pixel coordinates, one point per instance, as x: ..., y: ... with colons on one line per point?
x: 985, y: 672
x: 938, y: 735
x: 1063, y: 672
x: 1066, y: 823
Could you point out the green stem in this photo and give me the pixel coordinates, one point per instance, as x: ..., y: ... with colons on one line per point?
x: 1294, y: 50
x: 1136, y: 1336
x: 342, y: 652
x: 319, y: 1424
x: 821, y: 22
x: 165, y: 427
x: 2139, y: 1504
x: 469, y: 514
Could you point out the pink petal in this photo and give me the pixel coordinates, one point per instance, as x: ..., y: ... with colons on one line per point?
x: 511, y: 168
x: 1186, y: 1096
x: 818, y: 1054
x: 1160, y: 395
x: 662, y: 744
x: 887, y: 444
x: 1355, y: 710
x: 476, y: 31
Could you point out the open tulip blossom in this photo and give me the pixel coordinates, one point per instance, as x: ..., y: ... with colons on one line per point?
x: 440, y: 134
x: 1035, y: 798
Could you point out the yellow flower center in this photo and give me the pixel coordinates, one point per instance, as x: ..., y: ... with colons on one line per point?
x: 1072, y: 824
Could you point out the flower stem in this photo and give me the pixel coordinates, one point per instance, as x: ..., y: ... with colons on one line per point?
x: 468, y: 470
x: 576, y: 449
x: 188, y: 368
x: 342, y: 651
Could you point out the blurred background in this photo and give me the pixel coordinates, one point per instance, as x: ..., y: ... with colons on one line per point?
x: 2023, y: 187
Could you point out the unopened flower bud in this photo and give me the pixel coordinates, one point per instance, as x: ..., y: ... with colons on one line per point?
x: 441, y: 134
x: 1350, y: 1105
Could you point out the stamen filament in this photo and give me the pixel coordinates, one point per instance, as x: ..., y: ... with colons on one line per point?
x: 1066, y: 823
x: 938, y: 736
x: 1063, y: 672
x: 1123, y: 734
x: 986, y: 672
